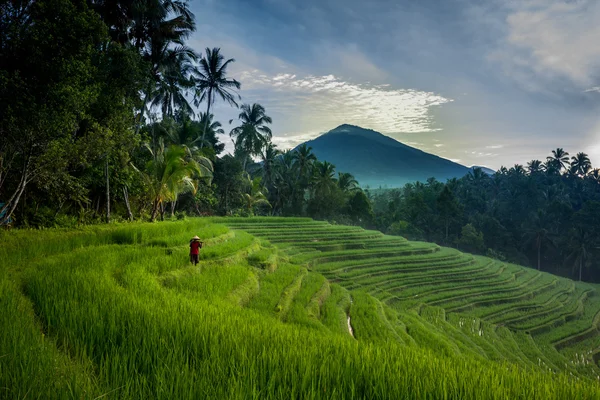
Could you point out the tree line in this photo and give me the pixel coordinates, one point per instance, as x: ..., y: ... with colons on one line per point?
x: 545, y: 214
x: 98, y: 122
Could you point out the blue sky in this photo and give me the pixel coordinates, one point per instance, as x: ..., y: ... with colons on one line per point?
x: 486, y: 82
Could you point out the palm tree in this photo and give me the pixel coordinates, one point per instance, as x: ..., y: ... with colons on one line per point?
x: 255, y: 195
x: 581, y: 246
x: 283, y: 180
x: 538, y: 235
x: 213, y: 128
x: 210, y: 80
x: 517, y: 169
x: 477, y: 176
x: 172, y: 78
x: 558, y: 161
x: 580, y: 164
x: 253, y: 134
x: 269, y: 157
x: 534, y: 167
x: 304, y: 158
x: 186, y: 135
x: 161, y: 41
x: 346, y: 182
x: 168, y: 174
x: 595, y: 175
x: 324, y: 177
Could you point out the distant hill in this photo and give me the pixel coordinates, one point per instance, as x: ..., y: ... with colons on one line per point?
x: 487, y: 170
x: 378, y: 160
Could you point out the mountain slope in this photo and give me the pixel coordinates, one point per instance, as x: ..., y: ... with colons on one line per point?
x: 378, y: 160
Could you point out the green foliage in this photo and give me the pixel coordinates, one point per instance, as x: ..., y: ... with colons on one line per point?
x: 171, y: 330
x: 471, y: 239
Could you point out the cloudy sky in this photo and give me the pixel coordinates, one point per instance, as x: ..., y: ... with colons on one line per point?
x: 484, y: 82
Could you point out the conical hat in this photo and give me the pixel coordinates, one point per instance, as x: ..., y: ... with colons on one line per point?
x: 196, y: 238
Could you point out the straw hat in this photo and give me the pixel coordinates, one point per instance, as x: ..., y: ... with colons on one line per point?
x: 196, y: 238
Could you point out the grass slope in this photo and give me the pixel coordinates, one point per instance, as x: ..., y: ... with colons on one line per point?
x: 118, y: 312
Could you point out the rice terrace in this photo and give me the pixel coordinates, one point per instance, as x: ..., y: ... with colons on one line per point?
x: 299, y: 199
x: 283, y: 308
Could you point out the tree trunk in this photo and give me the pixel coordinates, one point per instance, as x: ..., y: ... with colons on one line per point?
x: 162, y: 211
x: 126, y: 197
x: 154, y: 210
x: 11, y: 205
x: 173, y: 203
x: 139, y: 122
x: 447, y: 226
x: 580, y: 267
x: 206, y: 121
x: 107, y: 193
x: 539, y: 254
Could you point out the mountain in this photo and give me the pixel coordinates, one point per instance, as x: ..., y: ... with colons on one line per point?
x: 487, y: 170
x: 378, y: 160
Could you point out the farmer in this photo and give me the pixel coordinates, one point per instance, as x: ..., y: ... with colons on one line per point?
x: 195, y: 246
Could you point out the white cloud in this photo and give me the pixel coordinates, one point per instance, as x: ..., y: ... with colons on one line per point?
x: 329, y: 101
x: 438, y: 145
x: 549, y: 40
x: 495, y: 146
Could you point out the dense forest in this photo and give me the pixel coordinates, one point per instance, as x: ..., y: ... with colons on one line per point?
x: 545, y: 215
x: 105, y: 114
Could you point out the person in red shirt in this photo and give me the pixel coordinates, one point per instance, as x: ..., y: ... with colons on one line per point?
x: 195, y: 246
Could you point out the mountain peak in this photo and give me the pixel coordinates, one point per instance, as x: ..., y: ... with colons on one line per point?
x: 347, y: 128
x: 376, y: 159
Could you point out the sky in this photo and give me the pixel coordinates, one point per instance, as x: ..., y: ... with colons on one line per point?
x: 480, y: 82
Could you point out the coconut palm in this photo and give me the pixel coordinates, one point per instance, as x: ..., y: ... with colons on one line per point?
x: 595, y: 175
x: 538, y: 235
x: 255, y: 196
x: 172, y: 79
x: 213, y: 128
x: 580, y: 164
x: 253, y: 134
x: 168, y: 174
x: 269, y: 158
x: 323, y: 179
x: 346, y: 182
x: 517, y: 169
x: 558, y: 161
x: 582, y: 244
x: 304, y: 158
x: 534, y: 167
x: 211, y: 81
x: 159, y: 29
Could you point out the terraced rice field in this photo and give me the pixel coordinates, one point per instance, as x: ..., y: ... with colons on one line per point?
x: 477, y: 306
x: 282, y: 308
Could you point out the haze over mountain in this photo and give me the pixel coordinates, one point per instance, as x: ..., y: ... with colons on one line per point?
x: 378, y: 160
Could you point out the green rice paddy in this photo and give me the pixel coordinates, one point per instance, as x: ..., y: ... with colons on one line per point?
x: 283, y: 308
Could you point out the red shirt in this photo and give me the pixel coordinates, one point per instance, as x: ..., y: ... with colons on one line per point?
x: 194, y: 247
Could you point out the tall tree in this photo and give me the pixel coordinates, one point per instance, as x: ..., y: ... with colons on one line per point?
x: 253, y: 134
x: 168, y: 174
x: 580, y: 164
x: 47, y: 85
x: 211, y: 81
x: 209, y: 131
x: 534, y: 167
x: 346, y: 182
x: 558, y: 161
x: 448, y: 208
x: 538, y: 234
x: 581, y: 246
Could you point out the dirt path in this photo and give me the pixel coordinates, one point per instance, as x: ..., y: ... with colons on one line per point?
x: 350, y: 330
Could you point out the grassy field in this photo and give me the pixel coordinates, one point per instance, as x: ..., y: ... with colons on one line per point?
x: 117, y: 312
